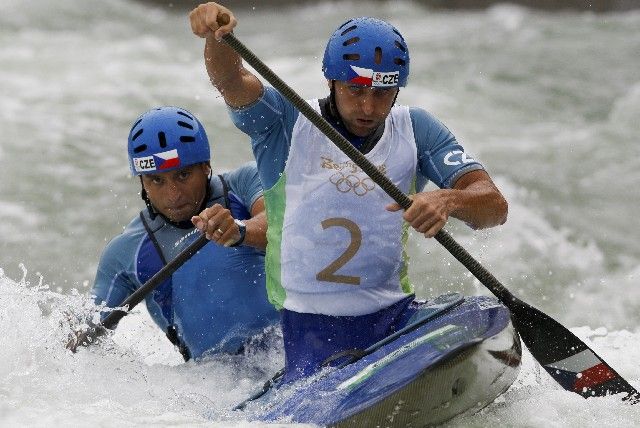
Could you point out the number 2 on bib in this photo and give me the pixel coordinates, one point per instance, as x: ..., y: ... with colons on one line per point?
x: 328, y: 274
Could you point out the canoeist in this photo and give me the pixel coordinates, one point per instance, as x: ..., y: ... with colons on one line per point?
x: 217, y: 300
x: 336, y: 265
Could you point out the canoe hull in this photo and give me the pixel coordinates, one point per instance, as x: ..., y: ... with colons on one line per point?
x: 463, y: 384
x: 454, y: 364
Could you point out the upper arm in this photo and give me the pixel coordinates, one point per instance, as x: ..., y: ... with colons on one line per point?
x: 269, y: 122
x: 258, y: 207
x: 243, y: 90
x: 114, y: 276
x: 238, y: 86
x: 245, y: 184
x: 485, y: 206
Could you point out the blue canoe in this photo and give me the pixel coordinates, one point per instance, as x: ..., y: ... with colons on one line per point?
x: 459, y: 360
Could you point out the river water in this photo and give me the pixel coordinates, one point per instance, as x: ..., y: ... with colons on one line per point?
x: 549, y: 102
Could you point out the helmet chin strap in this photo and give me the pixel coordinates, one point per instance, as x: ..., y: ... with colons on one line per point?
x: 395, y: 98
x: 333, y: 108
x: 143, y: 194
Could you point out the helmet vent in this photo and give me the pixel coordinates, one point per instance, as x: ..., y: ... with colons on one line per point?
x: 351, y: 57
x: 400, y: 46
x: 351, y: 41
x: 140, y: 148
x: 184, y: 124
x: 162, y: 139
x: 378, y: 55
x: 353, y: 27
x: 184, y: 114
x: 187, y: 139
x: 137, y: 134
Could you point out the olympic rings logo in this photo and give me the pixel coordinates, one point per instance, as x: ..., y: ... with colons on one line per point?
x: 346, y: 183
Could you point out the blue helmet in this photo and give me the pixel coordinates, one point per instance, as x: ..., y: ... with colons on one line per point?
x: 368, y: 52
x: 166, y: 138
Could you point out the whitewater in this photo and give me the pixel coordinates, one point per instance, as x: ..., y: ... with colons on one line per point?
x: 549, y: 102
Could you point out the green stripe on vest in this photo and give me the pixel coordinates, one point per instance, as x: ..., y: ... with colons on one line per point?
x: 275, y: 205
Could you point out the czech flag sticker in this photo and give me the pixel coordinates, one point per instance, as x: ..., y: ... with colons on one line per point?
x: 367, y: 77
x: 157, y: 162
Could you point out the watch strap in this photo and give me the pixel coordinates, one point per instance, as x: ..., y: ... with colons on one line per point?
x: 243, y: 232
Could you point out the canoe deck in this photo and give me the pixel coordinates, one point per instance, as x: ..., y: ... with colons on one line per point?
x: 454, y: 364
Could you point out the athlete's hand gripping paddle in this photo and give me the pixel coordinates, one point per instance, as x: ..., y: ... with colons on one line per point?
x: 574, y: 365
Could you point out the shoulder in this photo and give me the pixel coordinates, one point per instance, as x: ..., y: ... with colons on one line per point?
x: 420, y: 114
x: 126, y: 243
x: 247, y: 172
x: 422, y: 119
x: 271, y: 103
x: 133, y: 230
x: 429, y: 132
x: 245, y: 183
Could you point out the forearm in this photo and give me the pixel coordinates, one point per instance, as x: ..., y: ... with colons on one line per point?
x: 256, y: 235
x: 212, y: 21
x: 226, y: 72
x: 478, y: 203
x: 474, y: 199
x: 479, y: 206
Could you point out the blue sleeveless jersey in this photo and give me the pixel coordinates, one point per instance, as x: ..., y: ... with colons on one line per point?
x: 217, y: 299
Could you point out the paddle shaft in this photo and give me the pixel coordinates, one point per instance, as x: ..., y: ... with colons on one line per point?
x: 130, y: 302
x: 163, y: 274
x: 528, y: 320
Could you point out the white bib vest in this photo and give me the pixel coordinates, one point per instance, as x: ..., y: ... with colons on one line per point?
x: 333, y: 247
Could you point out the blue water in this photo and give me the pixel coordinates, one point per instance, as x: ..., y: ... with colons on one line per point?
x: 550, y: 103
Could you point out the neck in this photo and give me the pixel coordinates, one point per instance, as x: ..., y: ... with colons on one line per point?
x: 329, y: 111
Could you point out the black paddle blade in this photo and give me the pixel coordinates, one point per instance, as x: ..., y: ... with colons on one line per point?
x: 566, y: 358
x: 84, y: 338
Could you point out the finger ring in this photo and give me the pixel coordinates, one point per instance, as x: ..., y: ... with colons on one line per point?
x: 219, y: 231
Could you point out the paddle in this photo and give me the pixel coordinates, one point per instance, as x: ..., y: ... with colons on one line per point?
x: 87, y: 337
x: 574, y: 365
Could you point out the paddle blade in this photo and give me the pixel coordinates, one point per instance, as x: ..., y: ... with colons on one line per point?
x: 566, y: 358
x: 84, y: 338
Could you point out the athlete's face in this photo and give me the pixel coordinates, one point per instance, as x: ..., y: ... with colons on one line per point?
x: 363, y: 108
x: 178, y: 194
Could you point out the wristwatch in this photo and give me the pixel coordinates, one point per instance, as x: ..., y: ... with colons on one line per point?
x: 243, y: 232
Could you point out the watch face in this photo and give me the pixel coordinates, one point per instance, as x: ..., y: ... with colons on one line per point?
x: 243, y: 230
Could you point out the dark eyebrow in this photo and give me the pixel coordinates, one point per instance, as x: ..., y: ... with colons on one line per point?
x: 187, y: 168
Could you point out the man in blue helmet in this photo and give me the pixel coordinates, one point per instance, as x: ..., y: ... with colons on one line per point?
x: 335, y: 257
x: 217, y: 300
